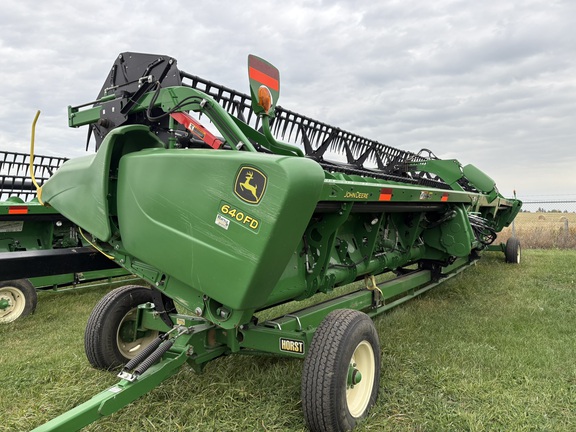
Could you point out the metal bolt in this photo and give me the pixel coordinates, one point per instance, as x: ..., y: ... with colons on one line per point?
x: 198, y: 311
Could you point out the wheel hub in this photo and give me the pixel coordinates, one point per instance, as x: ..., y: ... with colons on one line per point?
x: 354, y: 376
x: 127, y: 331
x: 4, y: 303
x: 130, y: 341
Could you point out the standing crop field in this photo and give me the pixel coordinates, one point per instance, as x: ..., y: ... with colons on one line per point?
x: 489, y: 350
x: 539, y: 230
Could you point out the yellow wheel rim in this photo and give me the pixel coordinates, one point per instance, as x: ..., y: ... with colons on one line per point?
x: 16, y: 304
x: 358, y: 395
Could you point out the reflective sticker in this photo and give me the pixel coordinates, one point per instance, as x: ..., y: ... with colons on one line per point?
x: 263, y: 72
x: 17, y: 210
x: 385, y: 194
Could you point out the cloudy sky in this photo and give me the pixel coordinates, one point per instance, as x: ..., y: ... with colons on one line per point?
x: 491, y: 83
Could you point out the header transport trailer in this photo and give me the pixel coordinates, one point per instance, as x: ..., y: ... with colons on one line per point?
x: 225, y: 221
x: 39, y: 248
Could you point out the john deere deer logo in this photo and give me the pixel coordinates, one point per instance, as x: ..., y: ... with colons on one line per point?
x: 250, y: 185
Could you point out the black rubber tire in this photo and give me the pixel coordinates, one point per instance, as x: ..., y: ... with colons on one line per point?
x: 22, y: 297
x: 324, y: 392
x: 102, y: 339
x: 513, y: 251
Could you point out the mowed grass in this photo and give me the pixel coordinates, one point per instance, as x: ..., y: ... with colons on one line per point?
x: 490, y: 350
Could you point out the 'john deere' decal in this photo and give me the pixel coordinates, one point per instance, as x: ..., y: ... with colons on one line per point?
x: 250, y: 185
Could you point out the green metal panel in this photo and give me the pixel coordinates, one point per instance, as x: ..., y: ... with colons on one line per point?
x: 209, y: 225
x: 453, y: 236
x: 81, y: 187
x: 480, y: 180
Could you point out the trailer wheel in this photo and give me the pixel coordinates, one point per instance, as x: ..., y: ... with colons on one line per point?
x: 18, y: 299
x: 110, y: 340
x: 341, y: 372
x: 512, y: 251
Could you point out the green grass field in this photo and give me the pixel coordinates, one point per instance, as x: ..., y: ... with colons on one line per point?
x: 490, y: 350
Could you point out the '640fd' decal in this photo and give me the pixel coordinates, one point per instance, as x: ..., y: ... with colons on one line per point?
x: 250, y: 185
x: 292, y: 345
x: 228, y: 212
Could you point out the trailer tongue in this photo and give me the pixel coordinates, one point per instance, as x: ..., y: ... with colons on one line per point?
x: 226, y: 224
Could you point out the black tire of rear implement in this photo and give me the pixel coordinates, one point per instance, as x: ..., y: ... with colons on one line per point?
x: 101, y: 335
x: 29, y: 296
x: 513, y: 251
x: 325, y: 370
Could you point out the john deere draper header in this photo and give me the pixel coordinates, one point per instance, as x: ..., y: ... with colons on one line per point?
x: 192, y: 190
